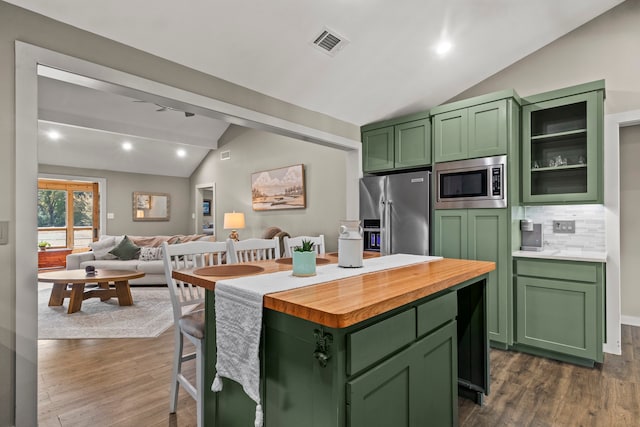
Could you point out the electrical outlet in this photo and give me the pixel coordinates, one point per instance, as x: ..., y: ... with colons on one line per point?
x: 564, y: 226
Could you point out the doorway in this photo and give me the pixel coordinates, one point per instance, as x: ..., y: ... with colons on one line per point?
x: 629, y: 205
x: 29, y: 60
x: 68, y: 213
x: 205, y: 209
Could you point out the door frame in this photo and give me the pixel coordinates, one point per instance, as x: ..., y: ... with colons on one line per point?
x: 612, y: 125
x: 102, y: 191
x: 198, y: 188
x: 28, y: 60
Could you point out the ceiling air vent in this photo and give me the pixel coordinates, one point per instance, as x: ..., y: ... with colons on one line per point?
x: 329, y: 42
x: 225, y: 155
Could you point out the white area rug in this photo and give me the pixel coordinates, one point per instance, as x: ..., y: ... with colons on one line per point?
x: 149, y: 316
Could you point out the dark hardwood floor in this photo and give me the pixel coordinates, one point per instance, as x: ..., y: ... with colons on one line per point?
x: 125, y: 382
x: 533, y: 391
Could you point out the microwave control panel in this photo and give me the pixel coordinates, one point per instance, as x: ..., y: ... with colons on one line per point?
x: 496, y: 181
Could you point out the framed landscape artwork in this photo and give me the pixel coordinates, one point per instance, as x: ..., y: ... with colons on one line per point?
x: 151, y: 206
x: 206, y: 207
x: 281, y: 188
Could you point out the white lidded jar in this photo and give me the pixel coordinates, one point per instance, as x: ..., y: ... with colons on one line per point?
x: 350, y: 244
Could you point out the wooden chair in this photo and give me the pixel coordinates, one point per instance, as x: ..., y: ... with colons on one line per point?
x: 291, y: 242
x: 189, y: 325
x: 254, y: 249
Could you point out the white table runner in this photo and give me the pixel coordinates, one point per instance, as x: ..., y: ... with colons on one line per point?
x: 238, y: 304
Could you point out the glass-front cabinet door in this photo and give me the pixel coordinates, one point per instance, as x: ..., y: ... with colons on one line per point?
x: 562, y: 150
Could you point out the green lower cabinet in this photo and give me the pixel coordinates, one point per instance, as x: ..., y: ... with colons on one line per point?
x: 416, y: 387
x: 400, y: 368
x: 559, y: 309
x: 480, y: 234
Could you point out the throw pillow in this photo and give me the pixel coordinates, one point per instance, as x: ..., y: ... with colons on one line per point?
x: 102, y: 247
x: 126, y: 250
x: 150, y: 253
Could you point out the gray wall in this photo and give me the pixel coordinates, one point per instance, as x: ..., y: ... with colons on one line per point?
x: 120, y: 186
x: 629, y: 206
x: 19, y: 24
x: 604, y: 48
x: 253, y: 151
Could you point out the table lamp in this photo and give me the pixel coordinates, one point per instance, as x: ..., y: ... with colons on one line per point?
x: 233, y: 221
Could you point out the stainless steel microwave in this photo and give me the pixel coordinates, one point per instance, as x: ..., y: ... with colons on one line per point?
x: 473, y: 183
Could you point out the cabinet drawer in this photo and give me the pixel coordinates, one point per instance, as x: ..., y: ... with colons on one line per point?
x: 562, y: 270
x: 371, y: 344
x: 437, y: 312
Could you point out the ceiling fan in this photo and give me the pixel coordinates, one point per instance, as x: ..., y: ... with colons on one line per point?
x: 165, y: 108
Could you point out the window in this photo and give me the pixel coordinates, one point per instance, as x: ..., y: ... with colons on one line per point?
x: 68, y: 213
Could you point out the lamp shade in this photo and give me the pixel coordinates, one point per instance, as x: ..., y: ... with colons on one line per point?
x: 233, y: 220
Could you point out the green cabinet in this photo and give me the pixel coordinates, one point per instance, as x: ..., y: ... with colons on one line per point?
x: 562, y: 146
x: 402, y: 145
x: 480, y: 234
x: 416, y: 387
x: 476, y: 131
x: 560, y: 309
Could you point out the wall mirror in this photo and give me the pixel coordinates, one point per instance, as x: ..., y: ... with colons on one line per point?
x: 151, y: 206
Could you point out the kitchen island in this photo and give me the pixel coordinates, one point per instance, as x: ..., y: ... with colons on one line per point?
x: 394, y: 347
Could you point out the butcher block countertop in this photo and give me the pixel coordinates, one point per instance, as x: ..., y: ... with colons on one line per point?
x: 345, y: 302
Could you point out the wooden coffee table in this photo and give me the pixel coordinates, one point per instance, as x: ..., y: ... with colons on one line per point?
x: 77, y: 279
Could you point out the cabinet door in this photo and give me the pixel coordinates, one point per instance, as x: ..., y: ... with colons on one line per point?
x: 377, y: 149
x: 562, y: 150
x: 450, y: 135
x: 488, y: 129
x: 437, y: 359
x: 383, y: 395
x: 488, y: 242
x: 416, y: 387
x: 450, y: 233
x: 557, y: 315
x: 413, y: 144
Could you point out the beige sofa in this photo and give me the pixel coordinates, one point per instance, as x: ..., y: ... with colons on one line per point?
x: 99, y: 256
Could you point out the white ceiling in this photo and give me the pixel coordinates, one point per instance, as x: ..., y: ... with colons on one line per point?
x: 389, y: 67
x: 93, y: 124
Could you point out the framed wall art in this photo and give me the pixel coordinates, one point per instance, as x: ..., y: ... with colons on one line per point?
x: 281, y: 188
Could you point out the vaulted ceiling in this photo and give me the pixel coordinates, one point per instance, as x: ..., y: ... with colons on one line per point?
x: 388, y: 66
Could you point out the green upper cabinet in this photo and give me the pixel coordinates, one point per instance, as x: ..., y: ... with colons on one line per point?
x: 477, y: 131
x: 562, y: 146
x: 378, y: 149
x: 480, y: 234
x: 398, y: 144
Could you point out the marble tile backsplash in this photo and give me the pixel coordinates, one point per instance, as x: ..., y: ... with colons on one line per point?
x: 590, y: 226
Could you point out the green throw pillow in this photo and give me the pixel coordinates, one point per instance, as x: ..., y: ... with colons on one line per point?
x: 126, y: 250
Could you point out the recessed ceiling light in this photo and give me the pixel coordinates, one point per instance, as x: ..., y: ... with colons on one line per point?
x: 127, y: 146
x: 54, y: 135
x: 181, y: 152
x: 443, y: 47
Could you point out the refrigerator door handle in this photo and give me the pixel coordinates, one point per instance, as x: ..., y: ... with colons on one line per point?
x: 388, y: 232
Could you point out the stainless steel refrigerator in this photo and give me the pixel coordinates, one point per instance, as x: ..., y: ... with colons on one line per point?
x: 395, y: 211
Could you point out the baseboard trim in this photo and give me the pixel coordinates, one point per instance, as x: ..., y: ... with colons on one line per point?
x: 630, y: 320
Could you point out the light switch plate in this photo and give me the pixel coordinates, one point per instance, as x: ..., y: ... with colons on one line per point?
x: 110, y: 215
x: 4, y: 232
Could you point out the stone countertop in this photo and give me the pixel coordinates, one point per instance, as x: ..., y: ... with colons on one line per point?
x: 564, y: 254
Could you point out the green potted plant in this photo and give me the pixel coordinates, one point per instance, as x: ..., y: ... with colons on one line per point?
x: 43, y: 245
x: 304, y: 259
